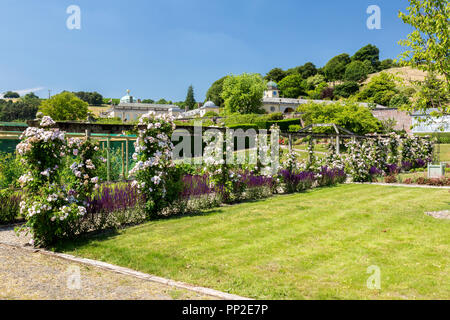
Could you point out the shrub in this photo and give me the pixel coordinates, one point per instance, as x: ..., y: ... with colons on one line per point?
x: 390, y: 179
x: 9, y: 206
x: 244, y: 126
x: 295, y: 127
x: 157, y: 178
x: 297, y: 181
x: 346, y: 89
x: 10, y: 170
x: 50, y: 208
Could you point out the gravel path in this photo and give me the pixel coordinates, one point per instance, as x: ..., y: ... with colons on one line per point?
x: 28, y: 275
x: 25, y: 274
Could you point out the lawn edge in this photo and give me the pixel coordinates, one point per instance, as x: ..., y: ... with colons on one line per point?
x: 131, y: 272
x: 401, y: 185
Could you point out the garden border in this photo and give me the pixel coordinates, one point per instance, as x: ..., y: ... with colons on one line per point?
x: 403, y: 185
x: 133, y: 273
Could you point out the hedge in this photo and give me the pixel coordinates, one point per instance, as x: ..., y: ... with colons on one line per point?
x: 244, y: 126
x: 443, y: 137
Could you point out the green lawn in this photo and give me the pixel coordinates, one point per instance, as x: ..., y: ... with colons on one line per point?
x: 313, y: 245
x: 445, y: 152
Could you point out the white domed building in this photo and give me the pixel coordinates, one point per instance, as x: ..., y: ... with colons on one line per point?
x: 131, y: 109
x: 208, y: 106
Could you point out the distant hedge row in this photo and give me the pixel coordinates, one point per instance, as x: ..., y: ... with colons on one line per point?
x: 442, y: 137
x: 283, y: 124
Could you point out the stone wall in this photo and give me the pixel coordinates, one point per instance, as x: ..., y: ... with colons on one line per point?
x: 404, y: 120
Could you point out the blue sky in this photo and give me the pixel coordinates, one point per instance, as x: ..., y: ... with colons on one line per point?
x: 158, y: 48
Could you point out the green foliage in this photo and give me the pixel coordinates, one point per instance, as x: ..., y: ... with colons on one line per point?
x: 276, y: 74
x: 335, y: 68
x: 316, y: 93
x: 399, y: 101
x: 243, y: 93
x: 22, y: 110
x: 387, y: 64
x: 355, y: 71
x: 294, y: 127
x: 282, y: 124
x: 368, y: 53
x: 429, y: 43
x: 110, y: 100
x: 350, y: 116
x: 432, y: 93
x: 292, y: 86
x: 244, y: 126
x: 190, y: 99
x: 11, y: 95
x: 65, y: 106
x: 9, y: 205
x: 315, y: 80
x: 92, y: 98
x: 214, y: 93
x: 210, y: 114
x: 346, y: 89
x: 380, y: 89
x: 10, y: 170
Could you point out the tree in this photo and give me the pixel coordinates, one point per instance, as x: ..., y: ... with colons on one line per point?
x: 350, y: 116
x: 162, y: 101
x: 399, y: 101
x: 370, y: 53
x: 386, y: 64
x: 355, y: 71
x: 346, y: 89
x: 316, y: 93
x: 11, y: 95
x: 380, y: 89
x: 292, y: 86
x: 276, y: 74
x: 65, y: 106
x: 243, y: 93
x: 431, y: 94
x: 190, y: 99
x: 92, y: 98
x: 148, y: 101
x: 307, y: 70
x: 18, y: 111
x: 335, y: 68
x: 429, y: 44
x: 215, y: 91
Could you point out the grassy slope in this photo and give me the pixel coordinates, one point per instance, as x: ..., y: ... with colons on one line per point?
x: 312, y: 245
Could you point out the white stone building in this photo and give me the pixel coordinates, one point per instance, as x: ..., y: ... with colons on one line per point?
x: 130, y: 109
x: 272, y: 102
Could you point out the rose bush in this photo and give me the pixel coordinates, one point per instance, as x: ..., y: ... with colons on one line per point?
x: 49, y: 206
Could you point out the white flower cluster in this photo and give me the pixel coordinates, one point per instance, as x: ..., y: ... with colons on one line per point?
x: 153, y: 151
x: 47, y: 122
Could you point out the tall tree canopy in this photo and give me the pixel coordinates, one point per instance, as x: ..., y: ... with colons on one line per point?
x: 214, y: 93
x: 293, y: 86
x: 368, y: 53
x: 276, y: 74
x: 429, y: 43
x: 356, y: 71
x: 11, y: 95
x: 92, y: 98
x: 190, y: 99
x: 335, y: 68
x: 65, y: 106
x: 243, y: 93
x: 380, y: 89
